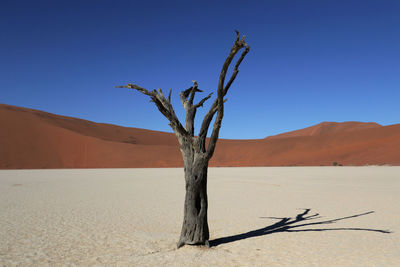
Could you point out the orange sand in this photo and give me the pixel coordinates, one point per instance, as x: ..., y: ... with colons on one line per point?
x: 34, y: 139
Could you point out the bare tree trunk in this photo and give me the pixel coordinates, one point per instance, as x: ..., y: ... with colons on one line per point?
x: 195, y: 226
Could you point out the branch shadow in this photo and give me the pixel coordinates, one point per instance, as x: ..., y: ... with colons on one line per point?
x: 289, y: 224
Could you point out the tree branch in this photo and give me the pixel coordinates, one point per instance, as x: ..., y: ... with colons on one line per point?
x: 200, y: 104
x: 222, y: 90
x: 136, y: 87
x: 194, y: 90
x: 163, y: 105
x: 187, y: 97
x: 184, y: 95
x: 236, y: 69
x: 169, y: 95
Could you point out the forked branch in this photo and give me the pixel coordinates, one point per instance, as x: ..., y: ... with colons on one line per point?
x: 187, y: 97
x: 218, y: 104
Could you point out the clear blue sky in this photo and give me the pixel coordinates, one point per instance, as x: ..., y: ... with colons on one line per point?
x: 310, y: 61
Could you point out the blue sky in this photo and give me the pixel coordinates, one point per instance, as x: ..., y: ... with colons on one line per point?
x: 310, y: 61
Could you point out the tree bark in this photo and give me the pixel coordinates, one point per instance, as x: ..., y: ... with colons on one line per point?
x: 195, y: 226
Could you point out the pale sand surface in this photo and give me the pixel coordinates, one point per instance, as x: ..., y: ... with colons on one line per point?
x: 133, y: 217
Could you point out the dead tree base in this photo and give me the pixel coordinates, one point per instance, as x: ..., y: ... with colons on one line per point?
x: 183, y: 243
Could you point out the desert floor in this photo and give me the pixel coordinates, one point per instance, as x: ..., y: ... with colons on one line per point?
x: 295, y: 216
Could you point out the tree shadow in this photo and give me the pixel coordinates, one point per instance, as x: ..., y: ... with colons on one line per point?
x: 289, y: 224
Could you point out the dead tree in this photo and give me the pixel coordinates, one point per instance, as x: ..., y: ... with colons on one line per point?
x: 194, y: 151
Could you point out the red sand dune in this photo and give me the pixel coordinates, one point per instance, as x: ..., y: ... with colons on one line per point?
x: 327, y: 128
x: 32, y: 139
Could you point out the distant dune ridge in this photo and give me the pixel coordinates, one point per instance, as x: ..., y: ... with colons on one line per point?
x: 328, y: 128
x: 32, y: 139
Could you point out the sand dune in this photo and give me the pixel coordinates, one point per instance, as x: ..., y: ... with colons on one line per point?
x: 298, y: 216
x: 328, y: 128
x: 32, y: 139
